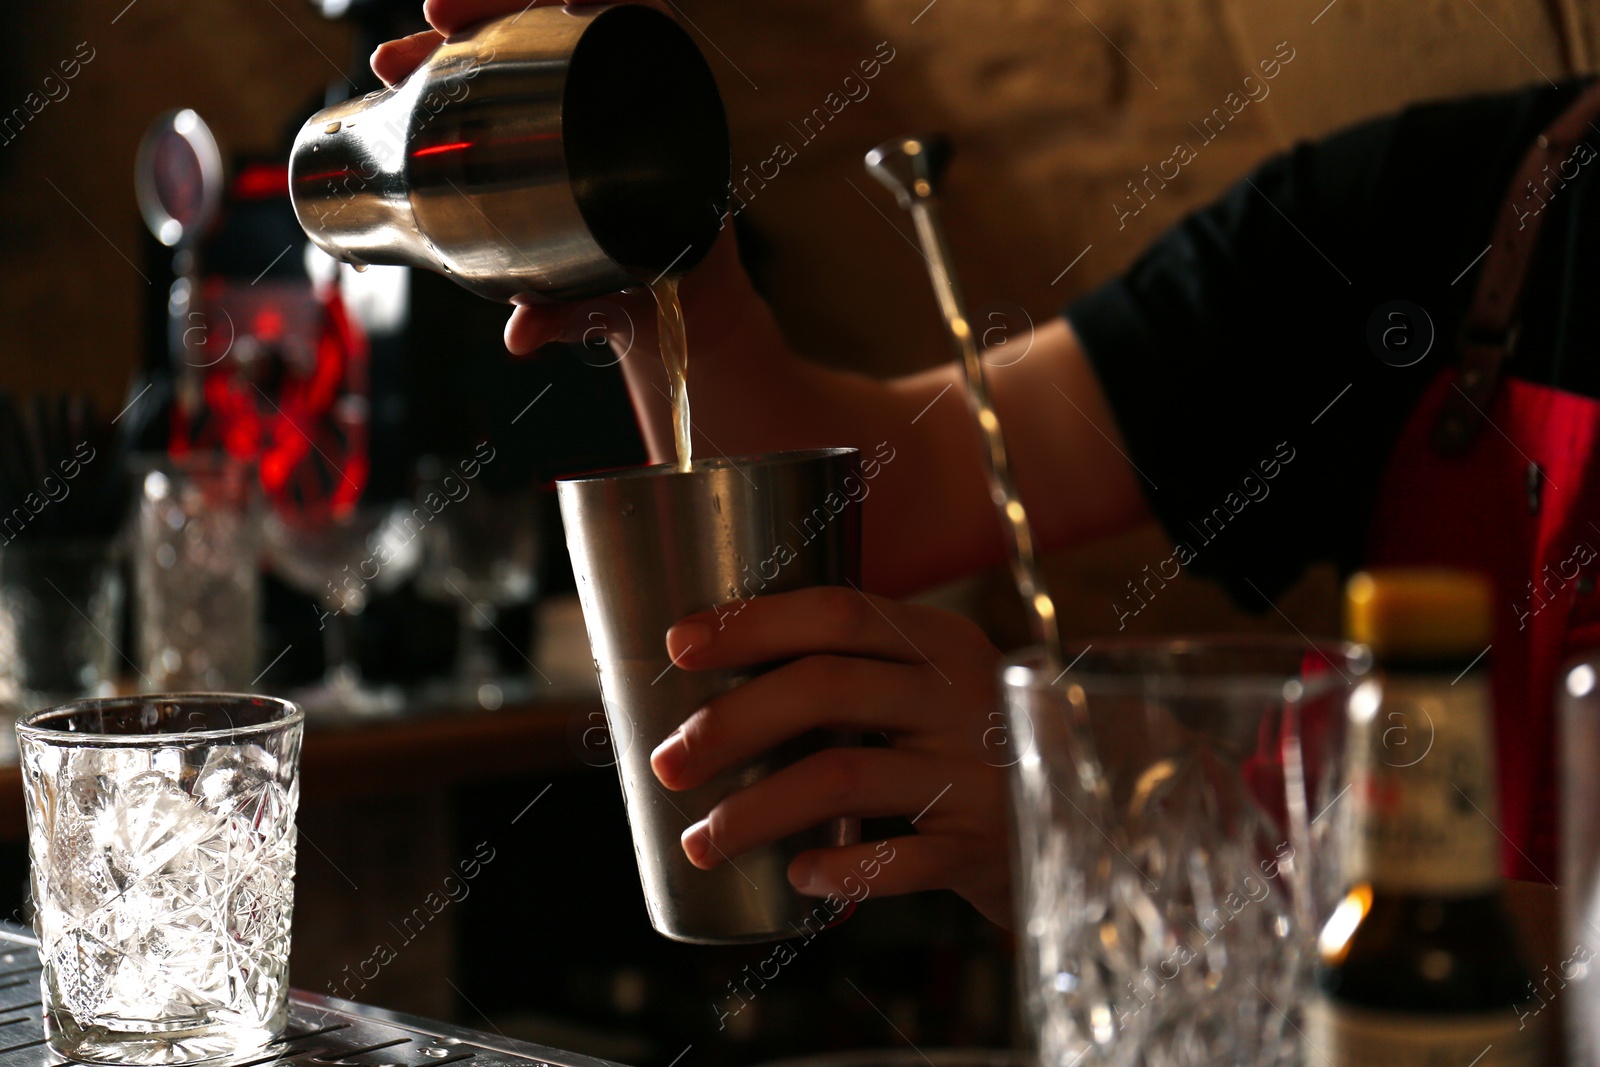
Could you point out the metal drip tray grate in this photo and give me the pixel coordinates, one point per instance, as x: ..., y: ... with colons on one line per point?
x: 323, y: 1031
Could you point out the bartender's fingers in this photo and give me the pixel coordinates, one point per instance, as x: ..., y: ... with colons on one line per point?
x: 828, y: 692
x: 881, y: 868
x: 448, y: 16
x: 866, y: 782
x: 393, y: 60
x: 839, y: 619
x: 975, y: 867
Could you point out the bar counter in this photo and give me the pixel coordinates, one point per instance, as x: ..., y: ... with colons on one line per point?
x: 322, y: 1030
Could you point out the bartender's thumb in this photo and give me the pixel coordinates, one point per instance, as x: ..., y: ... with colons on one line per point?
x: 536, y: 325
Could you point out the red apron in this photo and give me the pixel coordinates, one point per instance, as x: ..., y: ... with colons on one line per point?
x: 1503, y: 478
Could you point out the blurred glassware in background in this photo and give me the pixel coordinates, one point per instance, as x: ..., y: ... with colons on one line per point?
x: 60, y: 605
x: 1173, y: 876
x: 63, y: 499
x: 1579, y: 967
x: 197, y: 575
x: 481, y: 554
x: 343, y: 562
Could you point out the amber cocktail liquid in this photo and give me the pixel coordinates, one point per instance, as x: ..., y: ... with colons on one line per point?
x: 675, y: 354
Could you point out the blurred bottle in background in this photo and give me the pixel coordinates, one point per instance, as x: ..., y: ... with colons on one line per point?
x: 1420, y: 964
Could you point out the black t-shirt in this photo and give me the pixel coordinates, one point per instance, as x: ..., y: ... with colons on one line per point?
x: 1235, y: 351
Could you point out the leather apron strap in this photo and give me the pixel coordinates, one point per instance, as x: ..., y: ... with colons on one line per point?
x: 1490, y: 331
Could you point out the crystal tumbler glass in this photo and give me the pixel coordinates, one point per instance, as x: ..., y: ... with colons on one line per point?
x: 1174, y: 814
x: 162, y: 836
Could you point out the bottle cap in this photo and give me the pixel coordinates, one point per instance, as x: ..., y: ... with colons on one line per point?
x: 1419, y: 613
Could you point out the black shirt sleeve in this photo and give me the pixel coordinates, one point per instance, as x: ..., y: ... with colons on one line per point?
x: 1235, y: 355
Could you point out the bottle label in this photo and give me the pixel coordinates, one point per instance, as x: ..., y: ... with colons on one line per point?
x: 1343, y: 1036
x: 1422, y: 792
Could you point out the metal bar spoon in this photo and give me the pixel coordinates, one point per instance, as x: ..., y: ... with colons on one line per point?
x: 910, y: 166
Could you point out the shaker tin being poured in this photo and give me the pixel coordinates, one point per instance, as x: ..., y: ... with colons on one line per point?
x: 555, y: 154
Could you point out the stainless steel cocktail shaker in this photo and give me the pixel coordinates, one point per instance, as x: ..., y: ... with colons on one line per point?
x: 552, y: 154
x: 652, y: 545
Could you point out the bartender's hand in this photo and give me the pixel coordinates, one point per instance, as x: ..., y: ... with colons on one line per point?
x: 924, y: 677
x: 393, y: 60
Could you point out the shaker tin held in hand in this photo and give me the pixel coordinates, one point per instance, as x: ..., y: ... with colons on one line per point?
x: 652, y: 545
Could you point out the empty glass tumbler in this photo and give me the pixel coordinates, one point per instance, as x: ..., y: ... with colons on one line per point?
x: 1175, y: 807
x: 162, y: 836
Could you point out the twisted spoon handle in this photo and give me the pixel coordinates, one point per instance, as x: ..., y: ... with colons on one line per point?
x: 911, y: 166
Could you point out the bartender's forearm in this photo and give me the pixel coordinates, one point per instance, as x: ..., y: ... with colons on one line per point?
x: 927, y: 515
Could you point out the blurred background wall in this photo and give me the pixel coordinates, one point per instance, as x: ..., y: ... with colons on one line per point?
x: 1054, y: 104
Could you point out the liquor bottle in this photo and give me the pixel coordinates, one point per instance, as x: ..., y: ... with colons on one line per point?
x: 1419, y: 964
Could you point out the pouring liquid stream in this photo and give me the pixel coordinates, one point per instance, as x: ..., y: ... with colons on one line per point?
x: 675, y: 354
